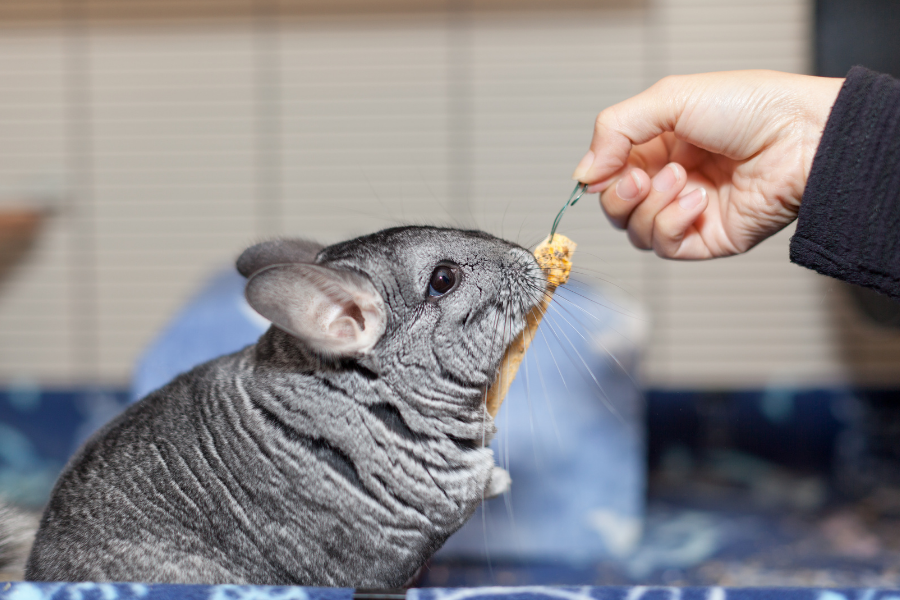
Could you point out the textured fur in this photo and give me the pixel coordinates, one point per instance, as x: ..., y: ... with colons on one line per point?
x: 300, y: 461
x: 16, y: 535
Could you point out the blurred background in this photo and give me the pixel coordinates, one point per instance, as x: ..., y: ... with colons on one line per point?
x: 144, y: 144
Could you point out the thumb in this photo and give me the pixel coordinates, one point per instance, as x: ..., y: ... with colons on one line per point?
x: 626, y: 124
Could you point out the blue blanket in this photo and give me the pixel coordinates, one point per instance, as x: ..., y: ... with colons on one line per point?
x: 107, y: 591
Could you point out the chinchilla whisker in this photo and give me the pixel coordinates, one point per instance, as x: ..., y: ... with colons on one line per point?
x: 484, y: 416
x: 603, y: 274
x: 577, y: 268
x: 564, y: 306
x: 608, y: 326
x: 374, y: 191
x: 530, y: 412
x: 450, y: 215
x: 585, y: 252
x: 552, y: 329
x: 546, y: 393
x: 507, y: 500
x: 580, y: 273
x: 562, y: 298
x: 503, y: 221
x: 521, y: 226
x: 487, y: 551
x: 550, y: 350
x: 619, y: 311
x: 604, y: 397
x: 539, y: 293
x: 506, y: 458
x: 376, y: 216
x: 561, y: 313
x: 618, y: 364
x: 535, y: 241
x: 561, y: 309
x: 503, y: 374
x: 484, y: 401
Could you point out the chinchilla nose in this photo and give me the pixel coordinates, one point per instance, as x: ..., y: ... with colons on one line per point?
x: 522, y: 258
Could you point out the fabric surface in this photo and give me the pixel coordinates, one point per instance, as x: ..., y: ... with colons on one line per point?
x: 107, y: 591
x: 137, y: 591
x: 847, y: 226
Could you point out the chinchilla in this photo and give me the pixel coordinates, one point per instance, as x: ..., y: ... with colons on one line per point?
x: 342, y: 449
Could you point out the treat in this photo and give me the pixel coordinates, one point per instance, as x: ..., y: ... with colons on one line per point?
x: 554, y: 255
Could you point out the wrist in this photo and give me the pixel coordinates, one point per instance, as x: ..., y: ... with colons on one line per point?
x: 819, y: 96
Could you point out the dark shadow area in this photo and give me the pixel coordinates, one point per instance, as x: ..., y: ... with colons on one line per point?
x: 857, y: 32
x: 860, y: 32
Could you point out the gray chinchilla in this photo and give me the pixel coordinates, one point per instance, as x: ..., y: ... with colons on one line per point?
x: 342, y: 449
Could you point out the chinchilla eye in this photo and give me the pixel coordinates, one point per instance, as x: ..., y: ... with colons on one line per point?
x: 443, y: 278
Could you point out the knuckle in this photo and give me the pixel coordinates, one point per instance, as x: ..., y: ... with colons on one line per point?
x: 637, y: 240
x: 608, y: 119
x: 667, y: 236
x: 662, y: 247
x: 669, y: 82
x: 601, y: 123
x: 665, y: 230
x: 615, y: 210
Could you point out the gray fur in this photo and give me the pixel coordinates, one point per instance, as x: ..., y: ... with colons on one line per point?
x: 290, y: 463
x: 16, y: 536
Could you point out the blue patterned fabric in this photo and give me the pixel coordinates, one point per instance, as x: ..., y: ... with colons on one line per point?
x: 649, y: 593
x: 107, y: 591
x: 137, y: 591
x: 40, y: 429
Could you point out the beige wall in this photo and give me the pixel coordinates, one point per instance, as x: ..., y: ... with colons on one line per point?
x: 164, y: 148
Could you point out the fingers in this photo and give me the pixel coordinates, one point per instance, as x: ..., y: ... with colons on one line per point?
x: 620, y: 200
x: 675, y: 234
x: 620, y: 127
x: 664, y: 187
x: 637, y: 214
x: 658, y: 214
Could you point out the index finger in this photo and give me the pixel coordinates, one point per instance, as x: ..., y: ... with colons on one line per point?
x: 624, y: 125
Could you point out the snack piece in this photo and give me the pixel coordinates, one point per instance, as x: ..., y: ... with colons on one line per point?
x: 554, y: 255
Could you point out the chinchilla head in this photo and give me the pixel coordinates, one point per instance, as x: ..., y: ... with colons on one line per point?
x: 420, y: 305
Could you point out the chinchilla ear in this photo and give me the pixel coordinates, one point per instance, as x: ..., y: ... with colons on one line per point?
x: 338, y: 313
x: 276, y: 252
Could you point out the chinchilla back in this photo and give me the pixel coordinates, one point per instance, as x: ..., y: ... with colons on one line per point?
x: 325, y: 456
x: 17, y: 530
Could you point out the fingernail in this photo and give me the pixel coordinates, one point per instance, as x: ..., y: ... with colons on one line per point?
x: 629, y: 187
x: 665, y: 179
x: 585, y: 164
x: 692, y: 199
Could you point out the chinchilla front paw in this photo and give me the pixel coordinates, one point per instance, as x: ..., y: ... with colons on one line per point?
x: 500, y: 482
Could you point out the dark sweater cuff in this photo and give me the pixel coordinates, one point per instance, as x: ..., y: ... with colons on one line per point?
x: 848, y: 225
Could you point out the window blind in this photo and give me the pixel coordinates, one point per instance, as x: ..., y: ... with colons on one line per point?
x: 166, y: 137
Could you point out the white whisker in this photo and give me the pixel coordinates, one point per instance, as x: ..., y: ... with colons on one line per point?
x: 531, y: 412
x: 616, y: 309
x: 595, y: 340
x: 604, y: 397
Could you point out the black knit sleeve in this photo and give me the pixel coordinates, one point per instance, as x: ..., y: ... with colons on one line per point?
x: 848, y: 226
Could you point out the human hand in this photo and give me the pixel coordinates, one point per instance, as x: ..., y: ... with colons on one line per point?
x: 734, y: 148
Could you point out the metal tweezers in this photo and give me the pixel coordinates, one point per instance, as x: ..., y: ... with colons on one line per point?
x: 575, y: 196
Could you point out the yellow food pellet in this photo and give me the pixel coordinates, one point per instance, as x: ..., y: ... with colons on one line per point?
x: 555, y: 258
